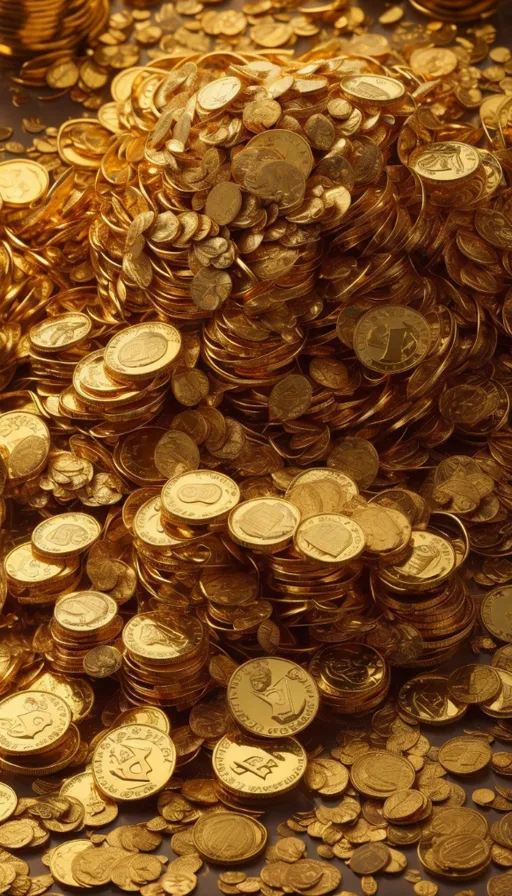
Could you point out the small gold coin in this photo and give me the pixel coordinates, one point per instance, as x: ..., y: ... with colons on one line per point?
x: 465, y: 755
x: 402, y: 805
x: 380, y: 774
x: 248, y: 768
x: 224, y: 202
x: 264, y: 524
x: 272, y: 697
x: 25, y: 441
x: 65, y: 535
x: 474, y: 684
x: 102, y: 661
x: 369, y: 858
x: 22, y: 182
x: 84, y: 611
x: 8, y: 801
x: 425, y: 698
x: 495, y: 610
x: 199, y: 497
x: 142, y: 351
x: 330, y: 538
x: 375, y: 90
x: 391, y: 338
x: 32, y: 722
x: 228, y: 838
x: 133, y: 762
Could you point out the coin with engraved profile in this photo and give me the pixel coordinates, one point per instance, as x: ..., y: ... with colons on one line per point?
x: 330, y: 538
x: 391, y: 338
x: 199, y: 497
x: 272, y: 697
x: 32, y: 722
x: 142, y: 351
x: 133, y: 762
x: 263, y: 524
x: 228, y: 838
x: 256, y: 769
x: 65, y: 535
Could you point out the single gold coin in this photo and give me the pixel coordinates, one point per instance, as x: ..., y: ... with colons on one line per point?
x: 369, y: 858
x: 142, y: 351
x: 250, y: 768
x: 224, y: 202
x: 25, y: 568
x: 133, y: 762
x: 272, y: 697
x: 199, y: 497
x: 99, y: 810
x: 433, y: 62
x: 25, y: 443
x: 375, y: 90
x: 163, y: 636
x: 56, y: 334
x: 483, y: 796
x: 391, y: 338
x: 495, y: 612
x: 465, y: 755
x: 65, y: 535
x: 445, y: 163
x: 430, y: 561
x: 22, y: 182
x: 219, y: 93
x: 461, y: 852
x: 8, y: 801
x: 264, y: 524
x: 330, y: 538
x: 385, y: 530
x: 380, y: 774
x: 474, y: 683
x: 61, y: 860
x: 402, y: 805
x: 425, y: 698
x: 84, y: 611
x: 228, y: 838
x: 32, y: 722
x: 102, y: 661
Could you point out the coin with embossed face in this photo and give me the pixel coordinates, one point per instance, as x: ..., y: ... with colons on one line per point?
x: 272, y: 697
x: 248, y: 767
x: 32, y: 722
x: 142, y: 351
x: 377, y: 90
x: 264, y: 524
x: 133, y: 762
x: 61, y: 332
x: 228, y: 838
x: 25, y: 443
x: 445, y: 163
x: 330, y: 538
x: 391, y: 338
x: 199, y: 497
x: 65, y: 535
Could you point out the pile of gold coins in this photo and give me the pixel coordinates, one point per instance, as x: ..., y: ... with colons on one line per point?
x: 31, y: 28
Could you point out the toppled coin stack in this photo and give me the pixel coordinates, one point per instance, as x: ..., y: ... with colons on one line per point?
x: 255, y: 469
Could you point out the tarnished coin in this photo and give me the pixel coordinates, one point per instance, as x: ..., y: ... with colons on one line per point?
x: 272, y: 697
x: 133, y: 762
x: 228, y: 838
x: 391, y: 338
x: 102, y: 661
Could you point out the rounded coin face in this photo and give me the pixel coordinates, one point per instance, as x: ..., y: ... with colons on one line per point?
x: 132, y: 762
x: 229, y: 838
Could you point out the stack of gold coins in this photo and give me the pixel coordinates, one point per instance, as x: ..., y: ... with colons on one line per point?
x: 457, y: 10
x: 242, y: 765
x: 81, y: 620
x: 352, y: 678
x: 37, y: 736
x: 33, y: 579
x: 29, y: 27
x: 165, y: 660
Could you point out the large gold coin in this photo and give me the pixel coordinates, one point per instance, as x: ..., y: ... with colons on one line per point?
x: 250, y: 768
x: 465, y: 755
x: 263, y: 524
x: 330, y: 538
x: 445, y: 163
x: 22, y: 181
x: 199, y: 497
x: 65, y: 535
x: 84, y: 611
x: 227, y: 838
x: 32, y: 722
x: 495, y: 612
x: 142, y: 351
x: 133, y: 762
x: 474, y: 683
x: 272, y: 697
x: 26, y: 569
x: 25, y: 442
x: 379, y: 774
x: 376, y: 90
x: 391, y: 338
x: 290, y: 145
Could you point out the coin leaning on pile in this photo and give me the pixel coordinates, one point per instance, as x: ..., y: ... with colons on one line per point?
x: 226, y: 457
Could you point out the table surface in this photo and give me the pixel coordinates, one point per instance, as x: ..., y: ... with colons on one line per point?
x: 54, y: 113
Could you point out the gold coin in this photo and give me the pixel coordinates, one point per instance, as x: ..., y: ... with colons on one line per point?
x: 402, y: 805
x: 25, y: 568
x: 22, y: 182
x: 426, y: 698
x: 25, y: 441
x: 474, y: 684
x: 263, y: 524
x: 102, y: 661
x: 219, y: 93
x: 65, y: 535
x: 99, y: 810
x: 84, y: 611
x: 291, y: 146
x: 461, y: 852
x: 431, y: 560
x: 61, y: 332
x: 142, y: 351
x: 375, y: 90
x: 248, y: 768
x: 77, y: 694
x: 380, y: 774
x: 133, y: 762
x: 500, y: 884
x: 61, y: 859
x: 465, y: 755
x: 224, y: 202
x: 199, y: 497
x: 272, y: 697
x: 8, y: 801
x: 32, y: 722
x: 227, y: 838
x: 443, y: 163
x: 162, y: 636
x: 391, y: 338
x: 330, y: 538
x: 495, y: 609
x: 369, y: 858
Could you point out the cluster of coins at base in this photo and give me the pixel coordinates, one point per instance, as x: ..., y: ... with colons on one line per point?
x: 38, y: 27
x: 457, y: 10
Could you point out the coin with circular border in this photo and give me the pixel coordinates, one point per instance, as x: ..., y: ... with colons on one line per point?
x: 199, y: 497
x: 228, y: 838
x: 425, y: 698
x: 446, y: 163
x: 163, y: 636
x: 474, y: 683
x: 85, y: 611
x: 8, y: 801
x: 65, y: 535
x: 380, y: 774
x: 272, y: 697
x: 494, y: 611
x: 25, y: 568
x: 256, y: 769
x: 330, y: 538
x: 99, y: 810
x: 142, y: 351
x: 59, y: 333
x: 133, y: 762
x: 391, y: 338
x: 465, y: 755
x: 375, y: 90
x: 22, y: 182
x: 61, y: 859
x: 25, y: 442
x: 32, y: 722
x: 263, y: 524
